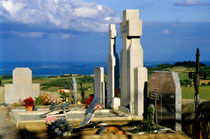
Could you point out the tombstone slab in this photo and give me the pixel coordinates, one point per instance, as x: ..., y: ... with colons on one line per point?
x: 22, y: 86
x: 99, y: 85
x: 165, y: 94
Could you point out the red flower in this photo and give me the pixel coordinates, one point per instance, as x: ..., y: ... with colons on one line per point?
x: 29, y: 102
x: 117, y: 93
x: 88, y: 101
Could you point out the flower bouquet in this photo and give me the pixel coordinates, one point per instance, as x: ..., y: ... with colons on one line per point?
x: 58, y: 126
x: 64, y: 94
x: 29, y: 103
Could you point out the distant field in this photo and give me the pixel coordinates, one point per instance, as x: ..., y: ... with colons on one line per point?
x: 54, y: 83
x: 188, y: 92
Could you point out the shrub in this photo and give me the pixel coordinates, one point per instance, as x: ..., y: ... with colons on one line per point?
x: 186, y: 82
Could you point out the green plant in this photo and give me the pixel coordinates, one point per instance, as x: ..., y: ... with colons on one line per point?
x: 186, y: 82
x: 148, y: 125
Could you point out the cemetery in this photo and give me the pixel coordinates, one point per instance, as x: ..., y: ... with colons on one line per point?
x: 149, y: 103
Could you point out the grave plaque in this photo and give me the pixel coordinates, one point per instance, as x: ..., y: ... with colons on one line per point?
x: 165, y: 95
x: 22, y: 86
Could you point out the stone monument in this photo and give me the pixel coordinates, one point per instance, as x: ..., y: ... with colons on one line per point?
x: 22, y: 86
x: 99, y: 85
x: 112, y: 68
x: 133, y: 74
x: 74, y: 89
x: 165, y: 95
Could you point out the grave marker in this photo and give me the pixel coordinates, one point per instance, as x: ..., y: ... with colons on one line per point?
x: 112, y: 68
x: 133, y: 74
x: 165, y: 95
x: 22, y: 86
x: 99, y: 85
x: 75, y: 90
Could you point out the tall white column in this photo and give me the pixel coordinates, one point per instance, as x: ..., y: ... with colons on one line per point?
x: 132, y: 63
x: 111, y: 63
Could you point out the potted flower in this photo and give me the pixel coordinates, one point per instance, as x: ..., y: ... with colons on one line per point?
x: 29, y: 103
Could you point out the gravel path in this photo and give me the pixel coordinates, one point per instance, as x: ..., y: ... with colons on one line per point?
x: 7, y: 128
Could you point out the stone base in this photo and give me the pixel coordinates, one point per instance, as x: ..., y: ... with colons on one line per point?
x: 124, y: 109
x: 116, y: 103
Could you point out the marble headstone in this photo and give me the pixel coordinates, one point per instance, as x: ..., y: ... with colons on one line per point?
x: 75, y: 90
x: 165, y: 94
x: 99, y: 85
x: 112, y: 68
x: 133, y: 74
x: 22, y: 86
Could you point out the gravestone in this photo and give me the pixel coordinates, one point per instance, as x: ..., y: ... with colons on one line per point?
x: 22, y: 86
x: 75, y: 90
x: 133, y: 74
x: 99, y: 85
x: 112, y: 68
x: 165, y: 95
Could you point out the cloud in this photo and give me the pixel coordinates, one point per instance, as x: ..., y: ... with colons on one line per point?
x: 31, y: 35
x: 61, y: 14
x: 166, y: 31
x: 190, y: 3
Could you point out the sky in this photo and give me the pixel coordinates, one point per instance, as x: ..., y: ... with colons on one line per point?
x: 76, y: 30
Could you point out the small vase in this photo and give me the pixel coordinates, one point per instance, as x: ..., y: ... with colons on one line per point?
x: 29, y: 108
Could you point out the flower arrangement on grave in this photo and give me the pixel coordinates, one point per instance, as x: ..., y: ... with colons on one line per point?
x: 89, y: 100
x: 44, y: 99
x: 58, y: 127
x: 29, y: 102
x: 64, y: 94
x: 98, y: 107
x: 117, y: 92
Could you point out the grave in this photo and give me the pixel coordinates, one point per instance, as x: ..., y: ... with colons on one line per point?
x: 133, y: 74
x: 112, y: 68
x: 165, y: 95
x: 74, y: 89
x: 22, y: 86
x: 99, y: 85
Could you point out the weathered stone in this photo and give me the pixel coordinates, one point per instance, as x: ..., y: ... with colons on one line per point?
x: 22, y: 86
x: 132, y: 82
x: 99, y: 85
x: 75, y: 90
x: 112, y: 67
x: 165, y: 90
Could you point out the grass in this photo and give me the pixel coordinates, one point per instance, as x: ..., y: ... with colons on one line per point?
x: 54, y: 83
x: 188, y: 92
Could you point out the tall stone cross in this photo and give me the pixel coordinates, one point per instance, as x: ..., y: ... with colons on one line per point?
x: 196, y: 76
x: 133, y: 74
x: 112, y: 67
